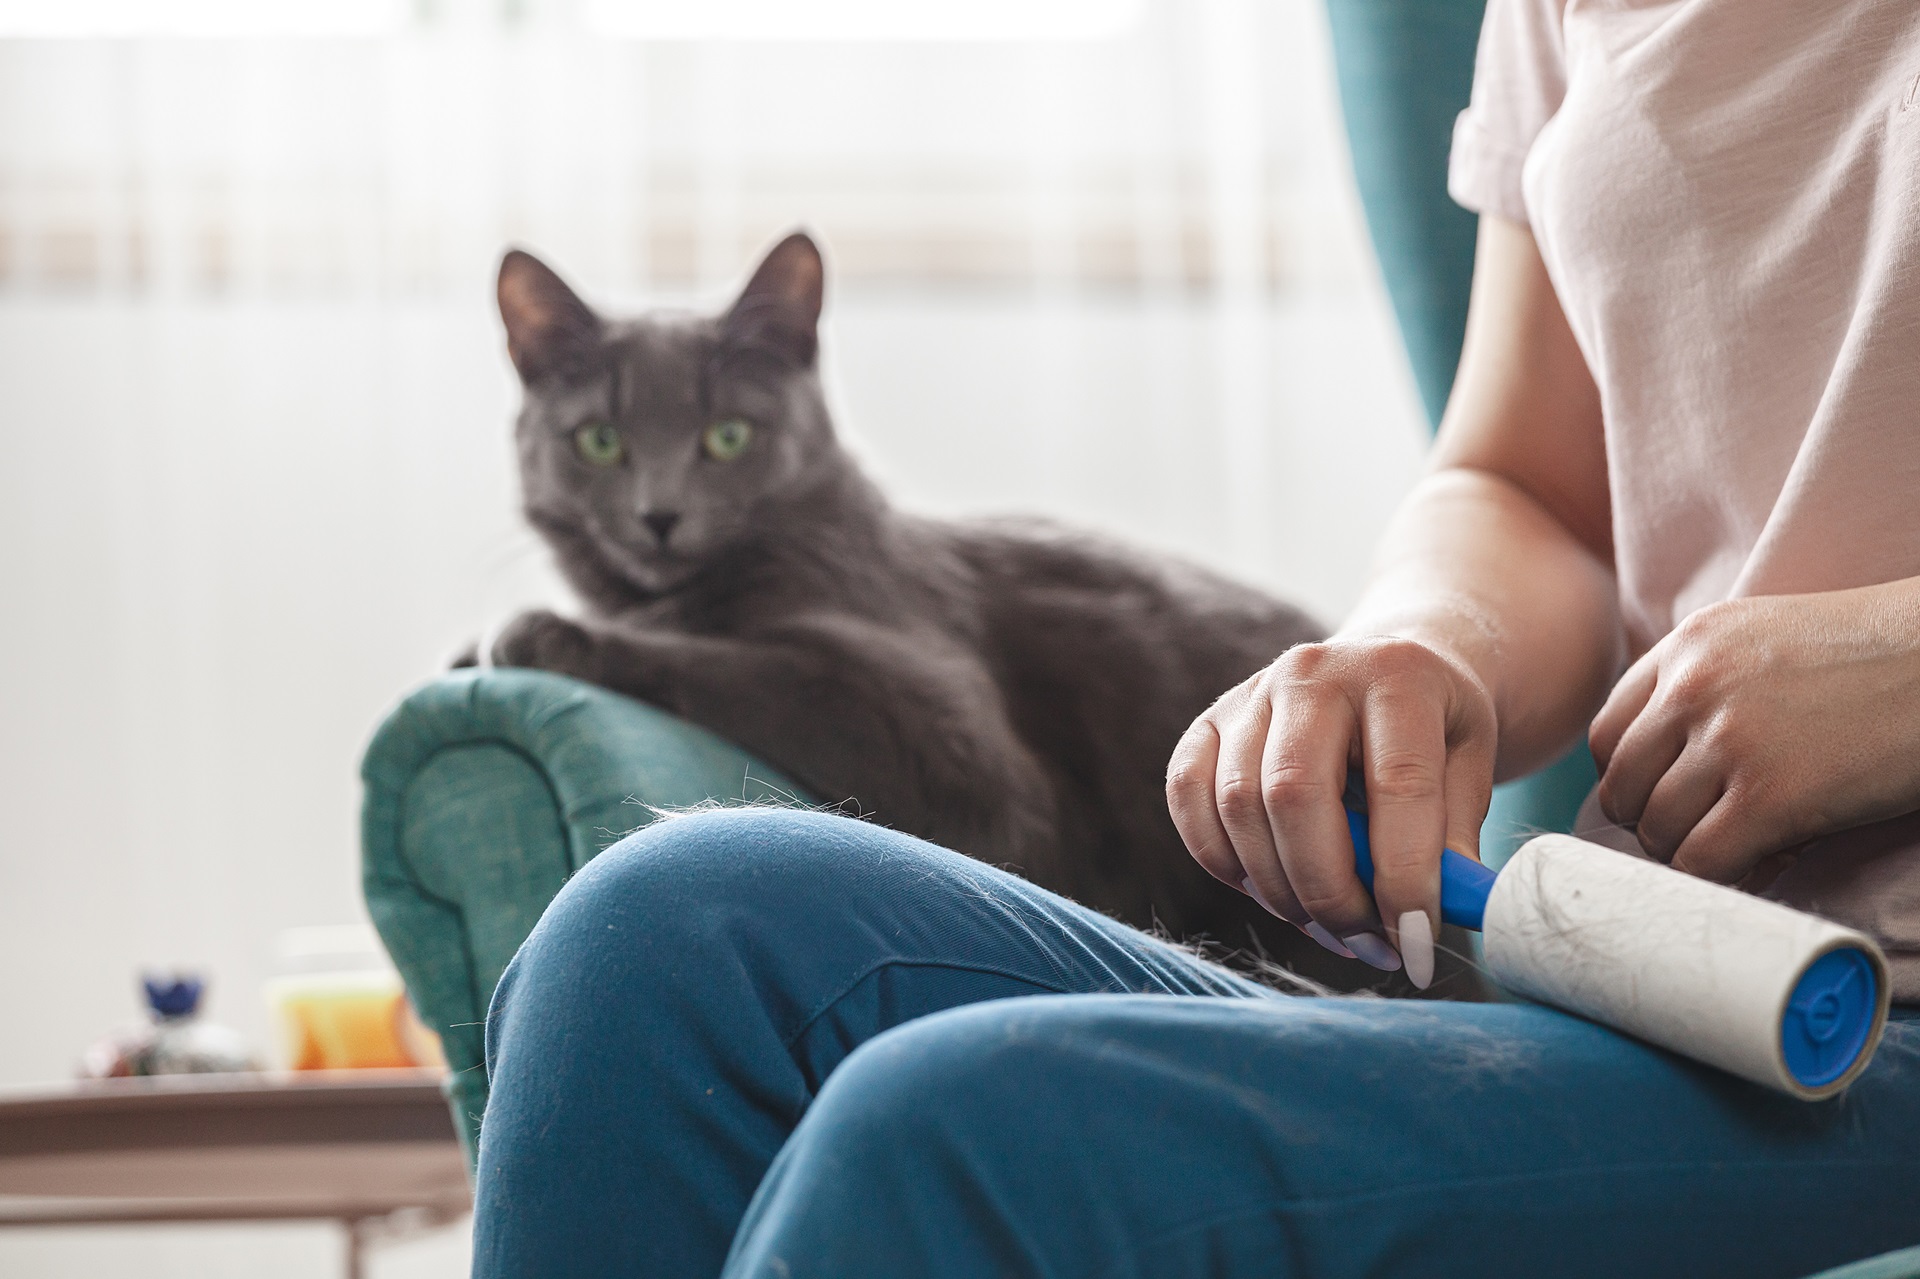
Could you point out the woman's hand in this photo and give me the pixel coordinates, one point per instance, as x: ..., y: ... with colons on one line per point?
x: 1760, y: 723
x: 1255, y: 789
x: 1491, y: 599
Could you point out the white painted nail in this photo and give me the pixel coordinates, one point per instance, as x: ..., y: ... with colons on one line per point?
x: 1372, y: 948
x: 1416, y: 947
x: 1319, y: 933
x: 1246, y: 886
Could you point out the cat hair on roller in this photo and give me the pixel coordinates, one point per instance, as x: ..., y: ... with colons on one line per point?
x: 1765, y: 992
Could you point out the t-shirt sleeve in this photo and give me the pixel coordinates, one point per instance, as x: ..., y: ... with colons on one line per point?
x: 1519, y: 78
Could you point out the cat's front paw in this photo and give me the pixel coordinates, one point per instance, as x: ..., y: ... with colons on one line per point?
x: 548, y: 642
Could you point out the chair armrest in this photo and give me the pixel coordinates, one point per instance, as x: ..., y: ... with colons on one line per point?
x: 484, y: 791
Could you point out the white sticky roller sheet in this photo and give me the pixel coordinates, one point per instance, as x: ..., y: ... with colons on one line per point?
x: 1692, y: 966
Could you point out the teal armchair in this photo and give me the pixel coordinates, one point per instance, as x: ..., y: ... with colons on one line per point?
x: 484, y: 791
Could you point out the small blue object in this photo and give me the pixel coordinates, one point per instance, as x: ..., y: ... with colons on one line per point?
x: 174, y: 999
x: 1464, y: 882
x: 1829, y: 1017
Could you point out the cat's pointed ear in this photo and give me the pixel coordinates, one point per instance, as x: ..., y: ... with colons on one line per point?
x: 549, y: 329
x: 779, y: 310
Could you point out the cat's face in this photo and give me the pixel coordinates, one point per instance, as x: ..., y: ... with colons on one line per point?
x: 648, y: 446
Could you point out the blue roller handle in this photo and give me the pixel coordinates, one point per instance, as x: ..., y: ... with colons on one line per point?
x: 1464, y: 882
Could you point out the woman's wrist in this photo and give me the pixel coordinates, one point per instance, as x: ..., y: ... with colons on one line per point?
x: 1474, y: 567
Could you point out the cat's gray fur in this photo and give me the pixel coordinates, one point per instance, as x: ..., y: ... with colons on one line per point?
x: 1009, y: 690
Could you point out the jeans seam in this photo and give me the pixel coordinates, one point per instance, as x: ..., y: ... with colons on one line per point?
x: 788, y: 1041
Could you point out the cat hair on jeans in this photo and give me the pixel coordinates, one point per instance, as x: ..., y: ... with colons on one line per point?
x: 1011, y: 690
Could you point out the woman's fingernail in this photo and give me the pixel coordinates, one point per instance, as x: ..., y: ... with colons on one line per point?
x: 1372, y: 948
x: 1246, y: 886
x: 1320, y: 934
x: 1416, y: 947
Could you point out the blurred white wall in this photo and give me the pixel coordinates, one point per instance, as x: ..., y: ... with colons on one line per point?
x: 254, y: 467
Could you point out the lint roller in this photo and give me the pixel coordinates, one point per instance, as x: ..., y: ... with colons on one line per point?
x: 1758, y: 989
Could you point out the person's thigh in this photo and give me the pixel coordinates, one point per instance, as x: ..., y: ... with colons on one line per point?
x: 1117, y: 1136
x: 679, y: 1004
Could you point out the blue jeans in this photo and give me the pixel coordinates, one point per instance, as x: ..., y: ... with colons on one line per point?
x: 783, y: 1044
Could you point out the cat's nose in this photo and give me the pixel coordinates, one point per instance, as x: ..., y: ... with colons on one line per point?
x: 661, y: 522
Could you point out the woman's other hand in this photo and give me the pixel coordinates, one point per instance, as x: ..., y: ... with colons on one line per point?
x: 1255, y: 789
x: 1760, y: 723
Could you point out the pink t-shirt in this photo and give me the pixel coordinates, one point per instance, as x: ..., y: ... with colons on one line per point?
x: 1726, y: 194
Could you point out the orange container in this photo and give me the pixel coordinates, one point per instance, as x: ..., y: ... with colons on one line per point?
x: 347, y: 1021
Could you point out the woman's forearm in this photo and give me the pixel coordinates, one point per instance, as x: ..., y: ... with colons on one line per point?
x: 1475, y: 566
x: 1486, y: 635
x: 1502, y: 556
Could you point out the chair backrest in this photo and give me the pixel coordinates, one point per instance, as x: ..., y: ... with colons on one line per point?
x: 1405, y: 69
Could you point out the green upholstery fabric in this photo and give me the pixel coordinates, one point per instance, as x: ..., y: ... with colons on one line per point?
x: 484, y: 791
x: 1405, y: 69
x: 1536, y: 804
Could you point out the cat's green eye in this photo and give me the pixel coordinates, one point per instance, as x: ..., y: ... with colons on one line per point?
x: 599, y: 444
x: 727, y: 440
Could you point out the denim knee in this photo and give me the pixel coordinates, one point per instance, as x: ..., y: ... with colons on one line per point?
x: 683, y: 898
x: 686, y: 874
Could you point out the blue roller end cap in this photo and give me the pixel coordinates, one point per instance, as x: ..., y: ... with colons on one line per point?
x: 1829, y: 1017
x: 1464, y: 883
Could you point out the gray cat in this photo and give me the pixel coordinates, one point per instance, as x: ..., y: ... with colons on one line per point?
x: 1009, y: 690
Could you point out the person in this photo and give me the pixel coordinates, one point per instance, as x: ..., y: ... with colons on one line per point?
x: 1672, y: 504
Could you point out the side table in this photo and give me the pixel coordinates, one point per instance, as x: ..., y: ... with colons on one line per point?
x: 372, y: 1149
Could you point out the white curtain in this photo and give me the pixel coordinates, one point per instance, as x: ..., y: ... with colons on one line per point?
x: 1188, y: 149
